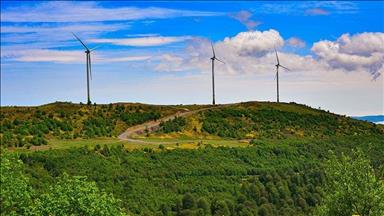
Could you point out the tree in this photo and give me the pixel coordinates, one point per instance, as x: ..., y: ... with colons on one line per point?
x: 15, y: 196
x: 265, y: 210
x: 220, y: 208
x: 77, y: 196
x: 203, y: 204
x: 352, y: 187
x: 188, y: 201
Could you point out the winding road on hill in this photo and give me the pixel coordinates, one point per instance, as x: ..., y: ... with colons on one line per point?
x: 154, y: 125
x: 151, y: 126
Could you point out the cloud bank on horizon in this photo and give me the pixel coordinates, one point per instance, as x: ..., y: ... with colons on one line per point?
x: 333, y: 45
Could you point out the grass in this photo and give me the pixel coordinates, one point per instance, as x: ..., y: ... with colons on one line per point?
x: 141, y: 143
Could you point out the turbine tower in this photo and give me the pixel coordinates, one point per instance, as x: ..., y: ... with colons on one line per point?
x: 213, y: 58
x: 277, y: 74
x: 88, y: 66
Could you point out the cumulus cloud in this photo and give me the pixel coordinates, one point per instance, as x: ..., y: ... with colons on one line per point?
x: 363, y: 51
x: 143, y: 41
x: 254, y: 42
x: 296, y: 42
x: 250, y: 52
x: 244, y: 17
x: 316, y: 12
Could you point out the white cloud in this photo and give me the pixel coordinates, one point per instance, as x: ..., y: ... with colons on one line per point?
x: 143, y: 41
x: 362, y: 44
x: 46, y: 36
x: 60, y: 56
x: 308, y: 8
x: 249, y: 52
x: 62, y: 11
x: 125, y: 59
x: 254, y: 42
x: 46, y: 56
x: 296, y: 42
x: 252, y: 52
x: 244, y: 17
x: 170, y: 63
x: 316, y: 12
x: 364, y: 52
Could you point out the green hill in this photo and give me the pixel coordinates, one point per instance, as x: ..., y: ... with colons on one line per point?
x: 256, y: 120
x: 21, y: 126
x: 26, y: 126
x: 280, y: 170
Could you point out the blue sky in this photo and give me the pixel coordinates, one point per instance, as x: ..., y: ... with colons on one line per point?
x: 158, y: 52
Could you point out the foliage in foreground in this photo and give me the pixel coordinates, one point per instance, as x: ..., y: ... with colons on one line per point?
x: 352, y: 187
x: 15, y: 196
x: 68, y: 196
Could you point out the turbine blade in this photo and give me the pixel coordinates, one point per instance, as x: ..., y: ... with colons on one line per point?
x: 96, y: 47
x: 219, y: 60
x: 80, y: 41
x: 277, y: 57
x: 213, y: 50
x: 275, y: 77
x: 90, y: 66
x: 285, y: 68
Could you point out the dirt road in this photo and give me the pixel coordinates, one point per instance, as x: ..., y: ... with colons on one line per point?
x: 151, y: 126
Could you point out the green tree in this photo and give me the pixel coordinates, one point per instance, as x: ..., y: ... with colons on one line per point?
x: 265, y: 210
x: 188, y: 201
x: 15, y: 196
x: 77, y: 196
x: 352, y: 187
x: 203, y: 204
x: 220, y: 208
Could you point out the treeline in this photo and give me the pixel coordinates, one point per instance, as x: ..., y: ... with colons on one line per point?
x: 34, y: 125
x: 283, y: 178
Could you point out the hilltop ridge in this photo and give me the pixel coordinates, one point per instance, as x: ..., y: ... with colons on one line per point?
x: 246, y: 120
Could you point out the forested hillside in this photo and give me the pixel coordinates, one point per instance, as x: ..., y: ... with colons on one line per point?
x: 25, y: 126
x: 280, y: 171
x: 282, y: 178
x: 257, y: 120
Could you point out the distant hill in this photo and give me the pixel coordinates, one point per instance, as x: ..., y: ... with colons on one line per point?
x: 379, y: 119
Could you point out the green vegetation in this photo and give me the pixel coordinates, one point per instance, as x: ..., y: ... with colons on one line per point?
x: 352, y: 187
x: 15, y: 196
x: 67, y: 196
x: 282, y: 168
x: 269, y: 178
x: 267, y: 122
x: 26, y: 126
x: 174, y: 125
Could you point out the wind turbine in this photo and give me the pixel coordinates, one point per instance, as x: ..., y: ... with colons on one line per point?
x: 277, y: 74
x: 88, y: 65
x: 213, y: 58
